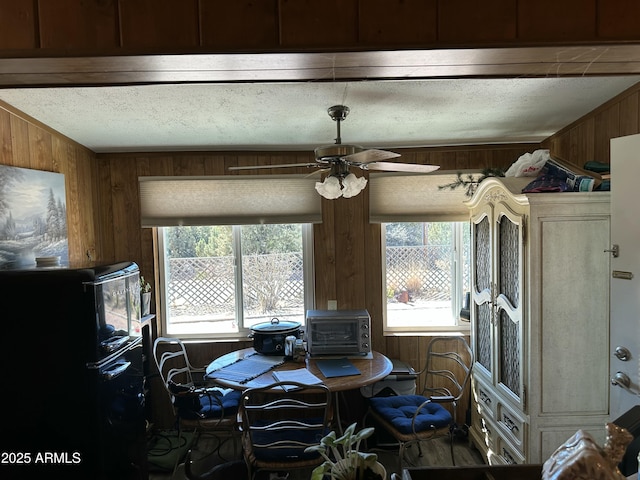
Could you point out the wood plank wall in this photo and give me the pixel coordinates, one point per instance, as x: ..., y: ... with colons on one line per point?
x: 71, y: 27
x: 589, y: 138
x: 26, y: 143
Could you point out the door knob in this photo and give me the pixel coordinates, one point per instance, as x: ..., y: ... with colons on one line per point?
x: 622, y: 353
x: 622, y: 380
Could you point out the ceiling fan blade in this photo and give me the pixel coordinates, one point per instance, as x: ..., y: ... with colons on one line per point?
x: 258, y: 167
x: 399, y: 167
x: 372, y: 155
x: 317, y: 172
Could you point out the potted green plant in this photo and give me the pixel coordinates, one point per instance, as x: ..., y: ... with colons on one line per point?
x: 145, y: 297
x: 343, y: 460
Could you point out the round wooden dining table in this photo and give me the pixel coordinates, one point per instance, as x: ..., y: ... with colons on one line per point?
x: 372, y: 368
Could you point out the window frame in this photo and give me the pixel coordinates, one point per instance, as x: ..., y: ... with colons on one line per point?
x: 243, y: 332
x: 459, y: 327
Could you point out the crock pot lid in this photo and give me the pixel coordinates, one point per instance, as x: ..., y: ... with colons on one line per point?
x: 276, y: 326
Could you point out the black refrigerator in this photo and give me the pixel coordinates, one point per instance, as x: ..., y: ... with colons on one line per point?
x: 73, y: 375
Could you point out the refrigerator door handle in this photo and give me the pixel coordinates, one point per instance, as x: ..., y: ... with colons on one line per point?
x: 118, y: 369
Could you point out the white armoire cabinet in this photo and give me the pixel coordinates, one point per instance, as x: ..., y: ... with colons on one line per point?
x: 540, y: 319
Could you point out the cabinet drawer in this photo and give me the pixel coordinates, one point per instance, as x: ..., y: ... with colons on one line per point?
x: 490, y: 433
x: 477, y: 433
x: 508, y: 453
x: 511, y: 424
x: 492, y: 443
x: 485, y: 399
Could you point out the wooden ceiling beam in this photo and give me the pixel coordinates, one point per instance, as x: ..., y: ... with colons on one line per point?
x: 322, y: 67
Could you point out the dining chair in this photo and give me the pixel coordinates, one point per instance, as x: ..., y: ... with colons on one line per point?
x: 413, y: 418
x: 277, y: 426
x: 198, y: 406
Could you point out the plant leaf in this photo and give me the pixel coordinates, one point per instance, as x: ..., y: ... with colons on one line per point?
x: 320, y: 470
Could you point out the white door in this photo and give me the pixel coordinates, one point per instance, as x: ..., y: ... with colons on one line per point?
x: 625, y: 275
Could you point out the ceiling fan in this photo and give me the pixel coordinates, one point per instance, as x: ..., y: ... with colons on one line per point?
x: 338, y: 158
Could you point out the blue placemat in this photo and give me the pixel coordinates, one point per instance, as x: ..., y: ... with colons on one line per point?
x: 247, y: 368
x: 337, y: 367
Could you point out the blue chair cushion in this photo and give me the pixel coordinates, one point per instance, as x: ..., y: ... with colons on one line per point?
x: 207, y: 405
x: 211, y: 408
x: 398, y: 410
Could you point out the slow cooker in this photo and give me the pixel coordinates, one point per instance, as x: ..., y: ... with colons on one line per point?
x: 268, y: 337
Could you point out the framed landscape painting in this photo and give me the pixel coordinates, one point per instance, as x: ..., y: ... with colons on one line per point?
x: 33, y: 218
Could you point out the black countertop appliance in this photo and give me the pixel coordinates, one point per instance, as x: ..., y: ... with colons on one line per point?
x: 72, y: 363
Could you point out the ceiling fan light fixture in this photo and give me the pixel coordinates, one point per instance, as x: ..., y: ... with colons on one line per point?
x: 336, y: 186
x: 330, y: 188
x: 352, y: 185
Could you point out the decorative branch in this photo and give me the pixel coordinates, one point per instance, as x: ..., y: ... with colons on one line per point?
x: 470, y: 183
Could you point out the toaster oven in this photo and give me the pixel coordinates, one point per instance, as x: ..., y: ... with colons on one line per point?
x: 338, y: 332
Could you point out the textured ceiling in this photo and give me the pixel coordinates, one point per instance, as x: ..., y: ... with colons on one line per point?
x: 293, y: 116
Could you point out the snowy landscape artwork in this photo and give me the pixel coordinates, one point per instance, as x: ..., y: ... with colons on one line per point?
x: 33, y: 217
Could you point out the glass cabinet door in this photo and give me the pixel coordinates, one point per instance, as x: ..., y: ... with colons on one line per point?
x: 482, y: 298
x: 497, y: 286
x: 508, y: 301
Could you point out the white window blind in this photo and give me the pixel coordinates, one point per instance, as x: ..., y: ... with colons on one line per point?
x: 417, y: 198
x: 228, y: 200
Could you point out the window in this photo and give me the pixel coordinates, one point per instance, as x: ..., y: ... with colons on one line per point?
x: 426, y: 267
x: 425, y: 247
x: 220, y: 280
x: 234, y: 250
